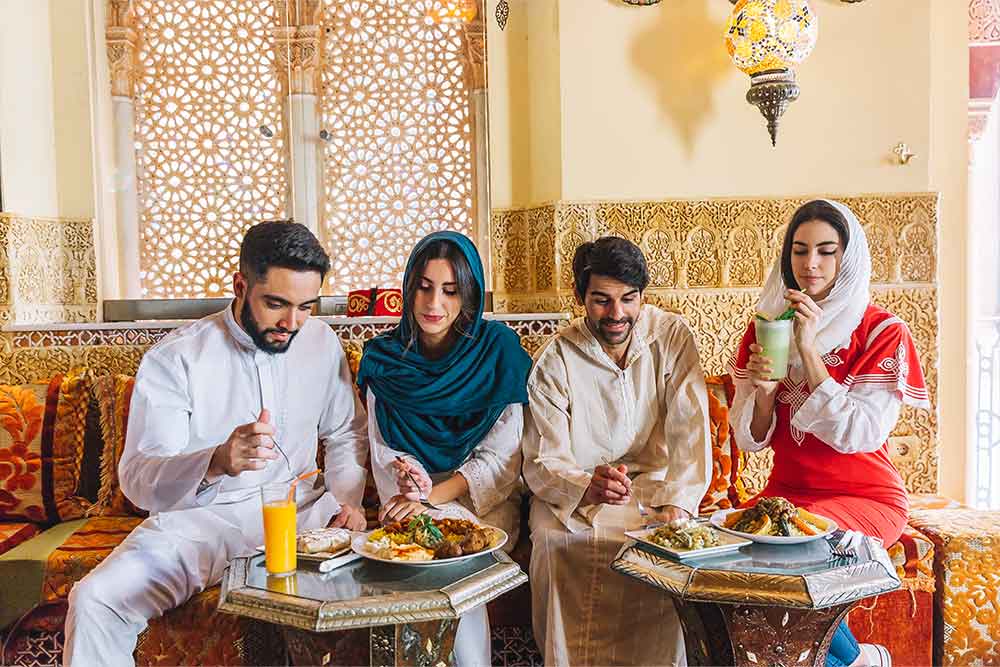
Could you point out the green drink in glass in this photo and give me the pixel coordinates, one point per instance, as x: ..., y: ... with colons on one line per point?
x: 775, y: 336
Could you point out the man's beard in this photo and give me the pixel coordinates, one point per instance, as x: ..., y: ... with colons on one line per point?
x: 614, y: 338
x: 259, y: 336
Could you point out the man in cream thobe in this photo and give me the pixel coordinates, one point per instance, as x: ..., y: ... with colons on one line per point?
x: 199, y: 387
x: 644, y: 413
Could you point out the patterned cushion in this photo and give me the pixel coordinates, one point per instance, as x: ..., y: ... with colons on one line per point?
x: 726, y: 487
x: 967, y: 566
x: 41, y: 447
x: 932, y: 501
x: 114, y: 395
x: 12, y: 534
x: 82, y: 551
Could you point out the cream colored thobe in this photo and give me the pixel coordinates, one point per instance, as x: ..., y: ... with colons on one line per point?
x: 493, y: 471
x: 584, y: 410
x: 192, y: 389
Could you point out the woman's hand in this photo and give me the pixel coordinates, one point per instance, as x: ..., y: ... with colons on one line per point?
x: 759, y: 370
x: 404, y: 469
x: 399, y: 508
x: 807, y: 316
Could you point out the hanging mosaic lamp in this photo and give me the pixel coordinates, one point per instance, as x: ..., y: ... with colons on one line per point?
x: 765, y: 38
x: 453, y: 11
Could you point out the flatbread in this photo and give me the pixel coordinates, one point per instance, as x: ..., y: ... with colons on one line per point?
x: 319, y: 540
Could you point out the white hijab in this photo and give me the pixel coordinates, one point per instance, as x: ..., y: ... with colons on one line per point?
x: 847, y: 301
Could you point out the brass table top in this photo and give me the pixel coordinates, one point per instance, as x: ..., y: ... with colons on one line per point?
x: 800, y: 576
x: 365, y: 593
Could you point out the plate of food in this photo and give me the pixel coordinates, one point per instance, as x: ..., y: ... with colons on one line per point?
x: 774, y: 520
x: 320, y: 544
x: 423, y: 540
x: 687, y: 538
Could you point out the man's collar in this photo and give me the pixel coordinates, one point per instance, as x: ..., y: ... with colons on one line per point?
x: 241, y: 337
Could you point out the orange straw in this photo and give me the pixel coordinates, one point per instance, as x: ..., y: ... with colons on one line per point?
x: 291, y: 489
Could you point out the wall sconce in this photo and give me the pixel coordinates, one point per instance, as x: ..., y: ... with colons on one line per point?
x: 765, y: 38
x: 453, y: 11
x: 903, y: 153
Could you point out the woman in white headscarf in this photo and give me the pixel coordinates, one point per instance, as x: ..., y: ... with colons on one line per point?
x: 852, y: 365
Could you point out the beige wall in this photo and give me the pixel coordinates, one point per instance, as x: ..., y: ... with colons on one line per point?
x: 651, y: 108
x: 45, y: 146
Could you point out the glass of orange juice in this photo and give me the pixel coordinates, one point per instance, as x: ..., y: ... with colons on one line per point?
x: 279, y: 529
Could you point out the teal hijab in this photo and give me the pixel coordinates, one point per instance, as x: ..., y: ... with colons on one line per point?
x: 438, y: 410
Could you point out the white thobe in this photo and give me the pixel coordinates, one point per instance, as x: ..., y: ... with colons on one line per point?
x: 192, y: 390
x: 492, y: 470
x: 652, y: 416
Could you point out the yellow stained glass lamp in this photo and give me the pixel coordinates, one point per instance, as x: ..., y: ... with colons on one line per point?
x: 453, y: 11
x: 765, y: 38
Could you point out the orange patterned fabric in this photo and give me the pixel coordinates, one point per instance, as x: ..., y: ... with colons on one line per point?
x: 12, y: 534
x: 81, y: 553
x: 114, y: 396
x: 726, y: 489
x: 196, y: 634
x: 967, y: 565
x: 41, y: 448
x: 913, y: 558
x: 932, y: 501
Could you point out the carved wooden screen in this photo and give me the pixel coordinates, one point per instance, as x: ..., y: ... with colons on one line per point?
x: 205, y: 172
x: 398, y: 165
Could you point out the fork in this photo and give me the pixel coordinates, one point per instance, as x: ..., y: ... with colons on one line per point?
x: 423, y: 500
x: 847, y: 546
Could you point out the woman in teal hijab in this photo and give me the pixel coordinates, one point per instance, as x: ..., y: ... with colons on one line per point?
x: 444, y: 391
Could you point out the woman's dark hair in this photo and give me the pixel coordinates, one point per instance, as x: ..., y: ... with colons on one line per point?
x: 610, y: 256
x: 468, y: 287
x: 817, y: 209
x: 281, y: 243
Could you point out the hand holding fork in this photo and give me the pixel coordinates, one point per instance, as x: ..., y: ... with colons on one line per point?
x: 410, y: 487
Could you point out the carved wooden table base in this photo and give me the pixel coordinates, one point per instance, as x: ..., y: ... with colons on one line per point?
x: 757, y: 636
x: 427, y: 644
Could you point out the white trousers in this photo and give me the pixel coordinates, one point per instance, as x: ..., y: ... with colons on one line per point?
x: 166, y: 560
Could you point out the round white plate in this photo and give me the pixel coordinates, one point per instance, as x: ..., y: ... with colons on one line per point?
x: 718, y: 520
x: 359, y: 546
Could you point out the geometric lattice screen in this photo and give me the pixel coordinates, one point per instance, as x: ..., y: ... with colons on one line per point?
x: 398, y: 167
x: 206, y: 85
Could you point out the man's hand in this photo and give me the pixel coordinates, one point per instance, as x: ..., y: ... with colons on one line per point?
x: 667, y: 513
x: 399, y: 508
x: 249, y: 447
x: 350, y: 517
x: 610, y: 486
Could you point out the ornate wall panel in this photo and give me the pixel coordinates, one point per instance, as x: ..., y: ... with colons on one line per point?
x: 206, y: 84
x: 708, y: 260
x: 395, y: 99
x: 47, y: 270
x: 984, y: 21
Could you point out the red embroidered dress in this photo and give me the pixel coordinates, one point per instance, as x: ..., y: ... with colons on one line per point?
x: 861, y: 490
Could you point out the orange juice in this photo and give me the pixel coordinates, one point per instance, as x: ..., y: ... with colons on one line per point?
x: 279, y: 536
x: 287, y: 584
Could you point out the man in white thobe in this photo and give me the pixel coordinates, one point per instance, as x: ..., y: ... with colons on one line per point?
x: 220, y: 407
x: 617, y: 416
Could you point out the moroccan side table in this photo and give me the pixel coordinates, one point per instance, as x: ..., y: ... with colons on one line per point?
x: 368, y: 612
x: 764, y: 604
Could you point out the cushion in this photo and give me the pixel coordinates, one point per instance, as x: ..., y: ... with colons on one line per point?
x: 12, y: 534
x: 932, y: 501
x: 114, y: 396
x: 725, y: 490
x: 967, y: 566
x: 41, y: 448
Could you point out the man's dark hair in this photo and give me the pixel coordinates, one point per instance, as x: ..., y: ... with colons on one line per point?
x: 818, y: 209
x: 284, y: 244
x: 610, y: 256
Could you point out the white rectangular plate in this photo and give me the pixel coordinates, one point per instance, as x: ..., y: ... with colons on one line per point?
x: 726, y: 544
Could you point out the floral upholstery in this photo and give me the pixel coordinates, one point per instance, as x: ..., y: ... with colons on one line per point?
x: 12, y: 534
x: 82, y: 551
x: 41, y: 449
x: 725, y: 490
x: 114, y: 395
x: 967, y: 567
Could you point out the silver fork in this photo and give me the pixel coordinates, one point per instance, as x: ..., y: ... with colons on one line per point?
x: 423, y: 500
x: 847, y: 546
